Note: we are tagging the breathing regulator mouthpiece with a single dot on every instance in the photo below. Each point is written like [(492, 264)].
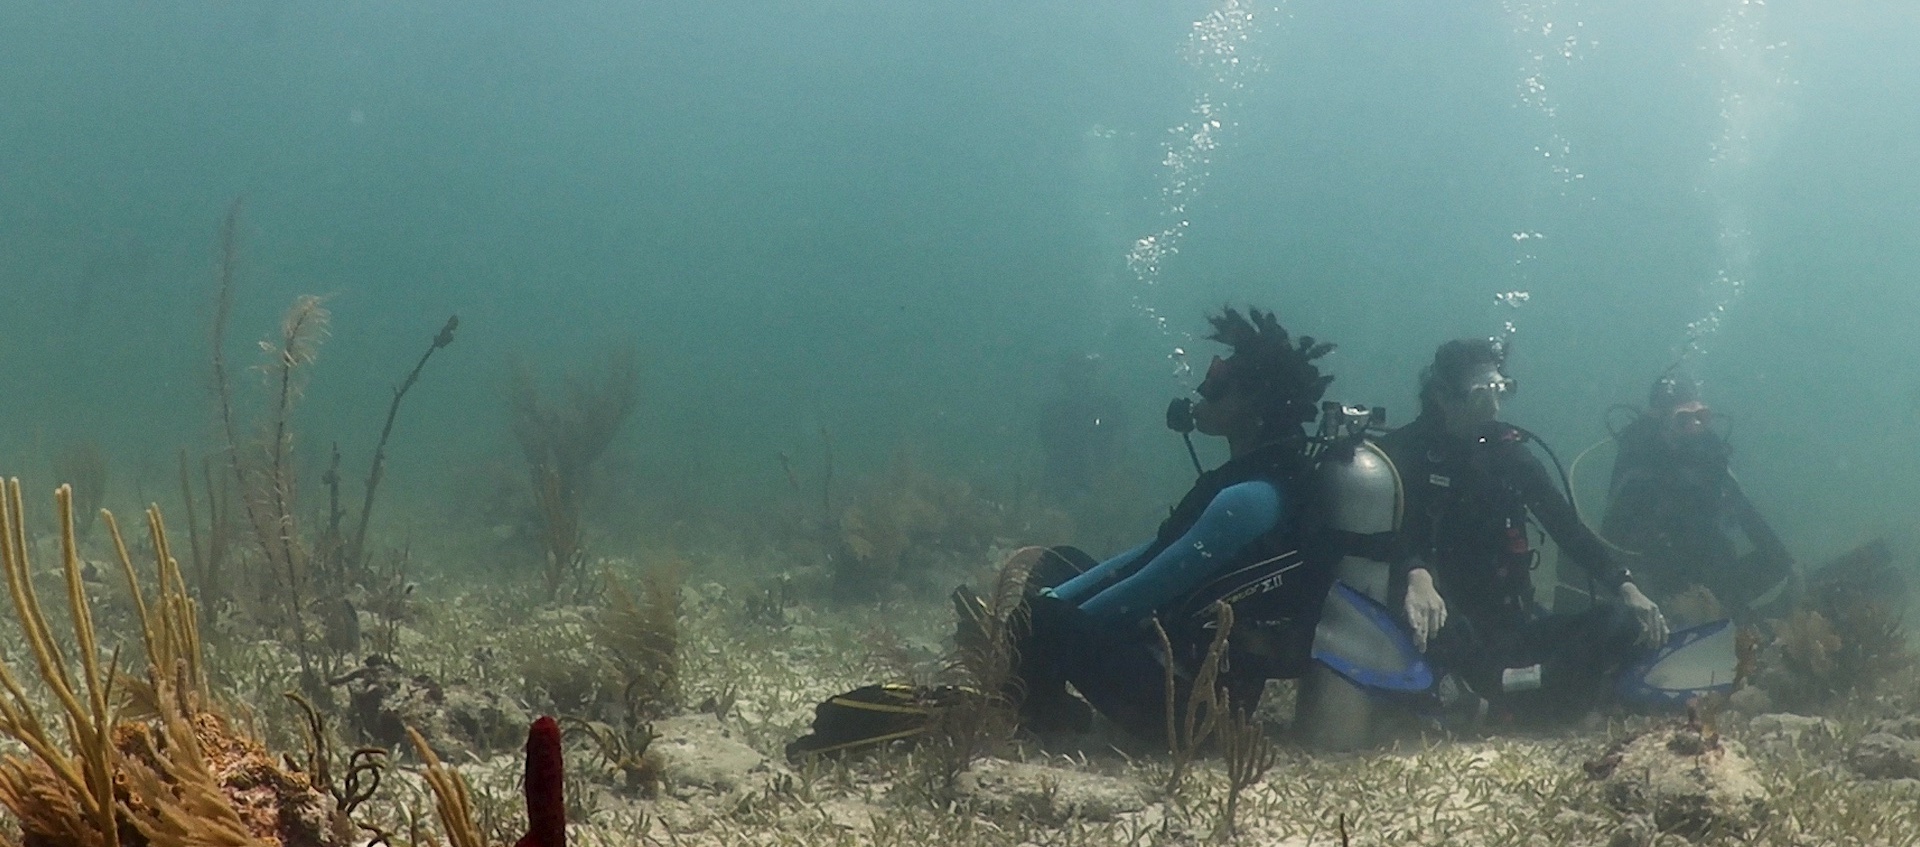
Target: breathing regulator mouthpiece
[(1180, 415)]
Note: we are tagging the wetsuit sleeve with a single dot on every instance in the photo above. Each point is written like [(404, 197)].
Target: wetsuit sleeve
[(1550, 507), (1076, 589), (1412, 539), (1237, 516), (1765, 541), (1409, 549), (1631, 509)]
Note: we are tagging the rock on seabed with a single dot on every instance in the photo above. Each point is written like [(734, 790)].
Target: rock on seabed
[(1890, 751), (1689, 783)]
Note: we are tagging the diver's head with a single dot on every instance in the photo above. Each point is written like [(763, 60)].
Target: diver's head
[(1466, 383), (1267, 388), (1674, 401), (1671, 390), (1687, 421)]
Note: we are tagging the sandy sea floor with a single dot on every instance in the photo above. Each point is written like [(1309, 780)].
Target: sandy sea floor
[(751, 673), (751, 659)]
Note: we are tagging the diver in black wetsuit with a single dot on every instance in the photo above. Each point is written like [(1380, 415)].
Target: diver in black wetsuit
[(1249, 522), (1674, 503), (1465, 556)]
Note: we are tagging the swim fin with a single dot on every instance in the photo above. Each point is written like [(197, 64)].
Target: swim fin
[(875, 715), (1695, 661), (1361, 640)]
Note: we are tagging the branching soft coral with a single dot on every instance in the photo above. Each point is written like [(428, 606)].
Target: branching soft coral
[(142, 762)]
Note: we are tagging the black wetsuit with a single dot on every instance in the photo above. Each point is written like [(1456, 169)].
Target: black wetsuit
[(1468, 504), (1676, 505)]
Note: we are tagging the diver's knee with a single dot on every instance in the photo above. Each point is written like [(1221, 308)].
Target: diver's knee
[(1617, 627)]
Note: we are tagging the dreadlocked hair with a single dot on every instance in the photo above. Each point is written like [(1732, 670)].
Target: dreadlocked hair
[(1276, 368)]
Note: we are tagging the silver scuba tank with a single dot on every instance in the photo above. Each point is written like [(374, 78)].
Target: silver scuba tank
[(1363, 496)]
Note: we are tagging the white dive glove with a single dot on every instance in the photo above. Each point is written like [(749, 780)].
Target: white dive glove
[(1653, 625), (1426, 612)]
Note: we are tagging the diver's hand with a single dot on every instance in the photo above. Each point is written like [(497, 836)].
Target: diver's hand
[(1653, 625), (1426, 612)]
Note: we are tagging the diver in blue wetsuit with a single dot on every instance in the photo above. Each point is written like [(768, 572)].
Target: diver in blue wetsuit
[(1249, 525), (1266, 533)]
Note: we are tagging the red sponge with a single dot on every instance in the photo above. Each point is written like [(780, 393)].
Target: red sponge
[(545, 777)]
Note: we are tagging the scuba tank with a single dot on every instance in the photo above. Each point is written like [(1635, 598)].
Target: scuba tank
[(1361, 497)]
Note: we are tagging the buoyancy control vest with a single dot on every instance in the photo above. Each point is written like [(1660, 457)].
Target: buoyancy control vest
[(1467, 519)]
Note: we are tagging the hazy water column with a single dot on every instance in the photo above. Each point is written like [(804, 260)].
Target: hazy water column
[(1546, 44), (1221, 47), (1751, 76)]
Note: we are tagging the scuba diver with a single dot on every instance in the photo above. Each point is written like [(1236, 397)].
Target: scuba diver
[(1258, 533), (1465, 557), (1674, 503), (1094, 629)]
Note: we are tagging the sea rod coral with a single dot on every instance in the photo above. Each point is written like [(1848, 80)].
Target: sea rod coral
[(134, 762)]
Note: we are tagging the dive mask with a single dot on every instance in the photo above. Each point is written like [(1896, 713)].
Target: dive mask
[(1689, 421), (1214, 387), (1686, 418), (1479, 399), (1494, 384)]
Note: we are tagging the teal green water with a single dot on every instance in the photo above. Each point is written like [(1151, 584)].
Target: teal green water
[(895, 220)]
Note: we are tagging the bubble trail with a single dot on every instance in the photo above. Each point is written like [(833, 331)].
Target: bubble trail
[(1547, 45), (1221, 47), (1752, 76)]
